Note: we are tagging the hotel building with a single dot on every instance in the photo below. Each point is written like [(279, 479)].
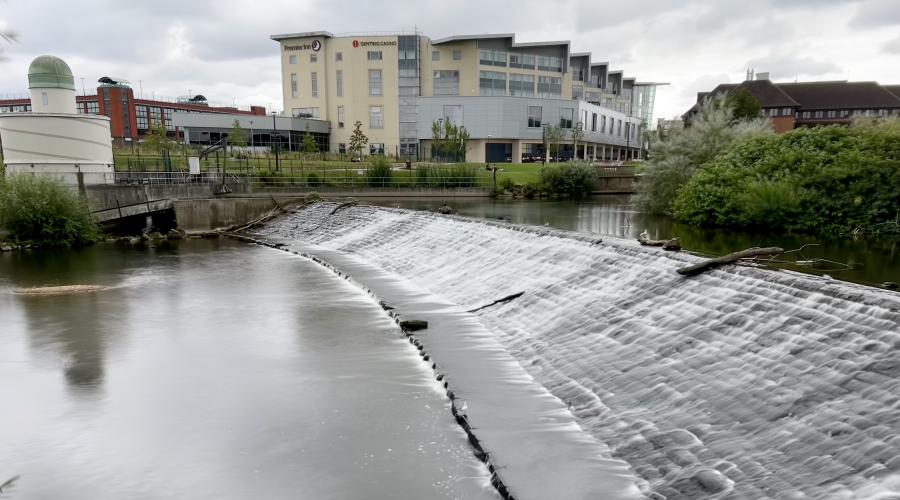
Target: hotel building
[(504, 92)]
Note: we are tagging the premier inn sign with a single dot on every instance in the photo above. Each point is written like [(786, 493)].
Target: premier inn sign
[(314, 46)]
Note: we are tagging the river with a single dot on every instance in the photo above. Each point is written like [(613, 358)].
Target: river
[(866, 261), (215, 369)]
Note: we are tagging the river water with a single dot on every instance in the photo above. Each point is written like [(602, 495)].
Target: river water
[(866, 261), (214, 369)]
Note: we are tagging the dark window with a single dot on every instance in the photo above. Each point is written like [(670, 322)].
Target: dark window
[(534, 116)]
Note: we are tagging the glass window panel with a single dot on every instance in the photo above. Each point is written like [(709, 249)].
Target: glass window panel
[(376, 117)]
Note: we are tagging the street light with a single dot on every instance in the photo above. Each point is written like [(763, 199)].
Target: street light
[(251, 135), (274, 144)]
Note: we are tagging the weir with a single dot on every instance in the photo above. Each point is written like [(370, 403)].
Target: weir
[(739, 383)]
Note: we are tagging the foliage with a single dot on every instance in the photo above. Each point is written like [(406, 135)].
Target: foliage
[(312, 180), (577, 136), (506, 184), (825, 179), (379, 172), (358, 140), (309, 144), (237, 138), (448, 141), (743, 105), (553, 135), (158, 140), (676, 158), (574, 179), (44, 213)]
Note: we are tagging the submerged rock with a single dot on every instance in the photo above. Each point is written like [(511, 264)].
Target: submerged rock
[(413, 324)]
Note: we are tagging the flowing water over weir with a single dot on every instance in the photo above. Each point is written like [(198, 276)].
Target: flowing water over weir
[(739, 383)]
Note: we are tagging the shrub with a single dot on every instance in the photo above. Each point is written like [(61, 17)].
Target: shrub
[(825, 179), (312, 180), (573, 179), (453, 176), (379, 172), (676, 158), (506, 184), (44, 213)]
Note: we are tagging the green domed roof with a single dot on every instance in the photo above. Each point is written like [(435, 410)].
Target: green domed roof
[(50, 72)]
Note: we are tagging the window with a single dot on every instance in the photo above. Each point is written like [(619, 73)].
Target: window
[(338, 56), (373, 55), (376, 117), (375, 82), (565, 117), (314, 84), (292, 59), (549, 63), (93, 108), (376, 148), (492, 83), (603, 124), (619, 128), (831, 113), (340, 117), (805, 114), (577, 92), (818, 114), (525, 61), (435, 55), (339, 83), (342, 147), (141, 113), (457, 55), (155, 117), (594, 123), (44, 99), (445, 82), (492, 57), (167, 119), (549, 87), (294, 85), (313, 57), (305, 112), (521, 85), (786, 112), (534, 116)]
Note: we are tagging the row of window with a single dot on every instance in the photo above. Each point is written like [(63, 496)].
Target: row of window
[(376, 87), (494, 83), (846, 113), (436, 55), (375, 148), (523, 61), (566, 117)]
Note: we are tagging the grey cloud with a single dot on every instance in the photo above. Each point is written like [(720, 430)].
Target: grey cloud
[(876, 13), (893, 46)]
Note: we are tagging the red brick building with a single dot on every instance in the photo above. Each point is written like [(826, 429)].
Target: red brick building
[(131, 118), (810, 104)]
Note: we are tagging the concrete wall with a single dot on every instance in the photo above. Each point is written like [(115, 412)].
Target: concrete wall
[(219, 213)]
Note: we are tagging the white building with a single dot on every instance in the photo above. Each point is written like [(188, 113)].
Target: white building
[(54, 139)]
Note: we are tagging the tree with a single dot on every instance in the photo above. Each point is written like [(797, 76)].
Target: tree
[(236, 137), (309, 144), (358, 140), (448, 141), (743, 105), (553, 135), (158, 139), (577, 136)]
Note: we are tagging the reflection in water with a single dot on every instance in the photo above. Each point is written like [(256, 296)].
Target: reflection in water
[(215, 370), (873, 261)]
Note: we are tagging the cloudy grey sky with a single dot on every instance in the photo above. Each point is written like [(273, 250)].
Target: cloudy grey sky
[(222, 49)]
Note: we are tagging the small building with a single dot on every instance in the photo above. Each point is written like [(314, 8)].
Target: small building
[(53, 139), (259, 131), (809, 104)]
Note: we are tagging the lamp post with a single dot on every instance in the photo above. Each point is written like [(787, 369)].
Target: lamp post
[(275, 144), (251, 136)]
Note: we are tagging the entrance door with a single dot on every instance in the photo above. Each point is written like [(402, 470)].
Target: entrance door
[(498, 152)]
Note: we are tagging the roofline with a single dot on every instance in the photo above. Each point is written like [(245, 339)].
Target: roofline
[(647, 84), (579, 54), (604, 63), (305, 34), (510, 36)]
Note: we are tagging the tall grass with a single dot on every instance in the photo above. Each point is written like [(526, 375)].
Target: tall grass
[(43, 213)]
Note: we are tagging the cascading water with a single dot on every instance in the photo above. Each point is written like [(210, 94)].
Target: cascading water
[(739, 383)]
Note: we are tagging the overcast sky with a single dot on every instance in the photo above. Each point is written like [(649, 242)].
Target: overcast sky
[(222, 48)]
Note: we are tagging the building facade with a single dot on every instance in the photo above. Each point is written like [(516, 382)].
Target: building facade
[(810, 104), (504, 92), (130, 117)]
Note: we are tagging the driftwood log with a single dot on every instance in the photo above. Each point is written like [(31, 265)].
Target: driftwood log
[(728, 259), (498, 301), (671, 244), (344, 205)]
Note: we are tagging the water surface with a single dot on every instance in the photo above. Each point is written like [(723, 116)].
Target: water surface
[(215, 370)]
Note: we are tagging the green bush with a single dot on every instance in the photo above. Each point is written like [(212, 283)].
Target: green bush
[(379, 172), (506, 184), (312, 180), (825, 179), (44, 213), (676, 157), (573, 179)]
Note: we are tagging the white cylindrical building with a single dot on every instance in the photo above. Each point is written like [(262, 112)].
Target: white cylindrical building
[(54, 139), (52, 86)]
